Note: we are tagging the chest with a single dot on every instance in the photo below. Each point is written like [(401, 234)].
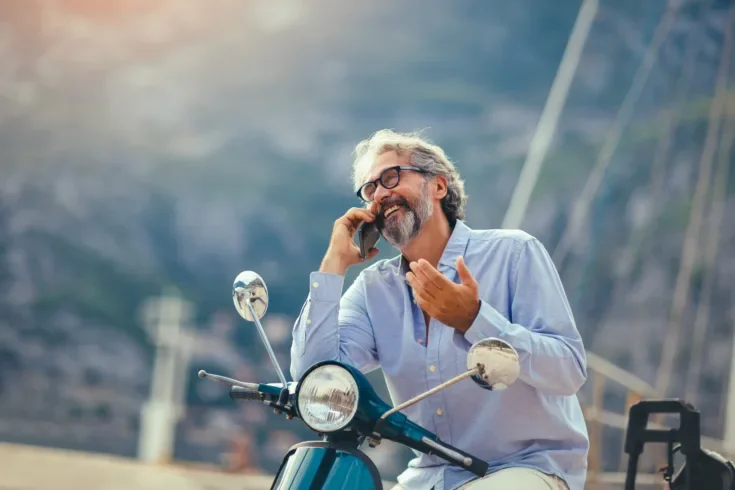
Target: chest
[(408, 340)]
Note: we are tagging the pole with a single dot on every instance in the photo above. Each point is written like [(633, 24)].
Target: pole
[(160, 414), (550, 116), (729, 436)]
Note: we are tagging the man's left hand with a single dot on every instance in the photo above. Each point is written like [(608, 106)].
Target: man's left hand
[(455, 305)]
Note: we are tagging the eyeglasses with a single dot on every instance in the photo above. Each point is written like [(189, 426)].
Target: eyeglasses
[(389, 178)]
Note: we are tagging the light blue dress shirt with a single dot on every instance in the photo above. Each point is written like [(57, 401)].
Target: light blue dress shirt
[(537, 422)]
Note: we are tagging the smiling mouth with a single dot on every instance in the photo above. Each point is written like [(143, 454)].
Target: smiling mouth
[(391, 210)]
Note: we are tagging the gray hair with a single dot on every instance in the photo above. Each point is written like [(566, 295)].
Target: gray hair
[(423, 154)]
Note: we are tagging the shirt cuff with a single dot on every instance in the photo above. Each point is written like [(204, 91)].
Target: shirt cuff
[(488, 323), (324, 286)]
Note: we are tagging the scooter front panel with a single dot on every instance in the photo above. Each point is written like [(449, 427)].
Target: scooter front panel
[(326, 466)]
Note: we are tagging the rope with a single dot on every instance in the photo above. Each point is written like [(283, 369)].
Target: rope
[(671, 118), (691, 238), (713, 241), (582, 204)]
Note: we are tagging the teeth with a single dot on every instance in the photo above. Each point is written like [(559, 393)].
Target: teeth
[(390, 210)]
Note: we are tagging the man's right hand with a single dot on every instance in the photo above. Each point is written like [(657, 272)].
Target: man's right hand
[(342, 251)]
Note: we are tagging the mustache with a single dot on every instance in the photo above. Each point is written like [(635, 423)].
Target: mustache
[(380, 217), (399, 201)]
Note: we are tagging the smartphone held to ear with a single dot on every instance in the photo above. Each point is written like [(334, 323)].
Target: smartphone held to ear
[(368, 235)]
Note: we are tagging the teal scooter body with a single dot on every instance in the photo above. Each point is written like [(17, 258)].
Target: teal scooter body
[(327, 466)]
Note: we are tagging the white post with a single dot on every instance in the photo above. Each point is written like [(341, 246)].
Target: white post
[(550, 116), (165, 317), (729, 436)]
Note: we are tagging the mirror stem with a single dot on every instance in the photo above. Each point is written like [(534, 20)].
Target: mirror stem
[(267, 344), (418, 398)]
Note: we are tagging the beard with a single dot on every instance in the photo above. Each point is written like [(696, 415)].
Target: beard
[(405, 224)]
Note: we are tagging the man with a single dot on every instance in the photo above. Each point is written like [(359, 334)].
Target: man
[(416, 315)]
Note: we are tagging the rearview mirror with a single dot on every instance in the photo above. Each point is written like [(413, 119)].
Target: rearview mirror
[(496, 362), (251, 301), (250, 295)]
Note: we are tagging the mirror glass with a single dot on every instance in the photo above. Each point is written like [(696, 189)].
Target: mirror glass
[(498, 363), (249, 287)]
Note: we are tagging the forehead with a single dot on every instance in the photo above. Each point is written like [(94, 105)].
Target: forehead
[(386, 160)]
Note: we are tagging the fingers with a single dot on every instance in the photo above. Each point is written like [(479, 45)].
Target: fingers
[(425, 303), (464, 273), (429, 275), (354, 216), (420, 287)]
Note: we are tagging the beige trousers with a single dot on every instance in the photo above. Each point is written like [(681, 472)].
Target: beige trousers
[(517, 479), (513, 479)]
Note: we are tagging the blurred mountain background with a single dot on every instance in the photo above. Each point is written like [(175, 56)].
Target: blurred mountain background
[(148, 145)]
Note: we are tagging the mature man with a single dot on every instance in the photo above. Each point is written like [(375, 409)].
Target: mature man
[(416, 315)]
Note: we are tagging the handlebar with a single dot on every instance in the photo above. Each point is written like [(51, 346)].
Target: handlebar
[(399, 429), (267, 394), (242, 393), (280, 397), (454, 455), (395, 427)]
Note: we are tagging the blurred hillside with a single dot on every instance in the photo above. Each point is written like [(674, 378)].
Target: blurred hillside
[(168, 143)]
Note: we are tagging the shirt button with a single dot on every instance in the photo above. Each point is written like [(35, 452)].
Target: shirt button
[(439, 411), (421, 341), (308, 321), (432, 368), (316, 284), (415, 302)]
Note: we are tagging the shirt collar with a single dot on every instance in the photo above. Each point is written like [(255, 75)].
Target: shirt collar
[(456, 246)]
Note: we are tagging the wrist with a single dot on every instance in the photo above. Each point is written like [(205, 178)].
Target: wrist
[(333, 265), (471, 317)]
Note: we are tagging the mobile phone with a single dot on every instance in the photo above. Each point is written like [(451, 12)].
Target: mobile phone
[(368, 235)]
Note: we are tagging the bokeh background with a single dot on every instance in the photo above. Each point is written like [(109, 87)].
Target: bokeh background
[(160, 147)]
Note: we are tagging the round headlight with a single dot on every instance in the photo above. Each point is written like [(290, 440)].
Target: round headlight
[(327, 398)]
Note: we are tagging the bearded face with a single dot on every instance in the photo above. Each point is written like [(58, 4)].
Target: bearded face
[(400, 218)]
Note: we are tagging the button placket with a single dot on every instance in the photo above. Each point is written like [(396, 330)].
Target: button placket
[(418, 318), (440, 416), (433, 372)]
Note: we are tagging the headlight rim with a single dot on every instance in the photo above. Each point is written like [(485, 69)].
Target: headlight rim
[(297, 394)]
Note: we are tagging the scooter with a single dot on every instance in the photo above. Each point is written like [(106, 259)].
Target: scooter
[(336, 401)]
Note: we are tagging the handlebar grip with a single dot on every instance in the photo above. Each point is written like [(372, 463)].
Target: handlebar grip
[(240, 393), (476, 465)]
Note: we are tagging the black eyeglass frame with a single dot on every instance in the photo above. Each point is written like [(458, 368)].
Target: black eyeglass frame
[(375, 182)]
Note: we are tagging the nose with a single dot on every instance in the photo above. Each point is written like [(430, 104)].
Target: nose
[(381, 193)]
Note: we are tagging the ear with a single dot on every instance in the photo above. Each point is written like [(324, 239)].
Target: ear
[(440, 186)]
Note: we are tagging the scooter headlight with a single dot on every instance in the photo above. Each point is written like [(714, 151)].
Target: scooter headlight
[(327, 398)]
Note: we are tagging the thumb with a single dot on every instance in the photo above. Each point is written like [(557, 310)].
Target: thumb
[(464, 273)]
